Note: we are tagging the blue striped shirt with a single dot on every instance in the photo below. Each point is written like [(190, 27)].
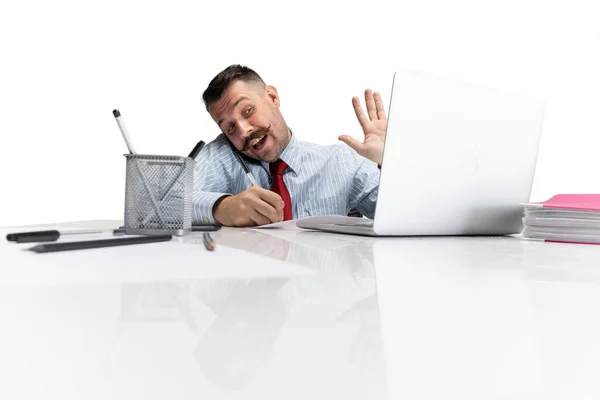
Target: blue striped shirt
[(322, 180)]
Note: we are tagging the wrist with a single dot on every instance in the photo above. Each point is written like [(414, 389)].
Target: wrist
[(218, 210)]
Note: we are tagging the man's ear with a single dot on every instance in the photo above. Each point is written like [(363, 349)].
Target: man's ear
[(272, 94)]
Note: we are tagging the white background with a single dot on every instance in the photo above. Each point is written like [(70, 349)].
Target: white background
[(66, 64)]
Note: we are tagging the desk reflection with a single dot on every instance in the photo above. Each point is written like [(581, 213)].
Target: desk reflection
[(240, 341), (460, 318), (315, 335)]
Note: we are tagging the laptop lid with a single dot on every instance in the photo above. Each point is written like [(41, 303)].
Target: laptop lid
[(459, 158)]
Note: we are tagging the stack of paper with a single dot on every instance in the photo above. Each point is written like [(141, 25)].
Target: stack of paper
[(571, 218)]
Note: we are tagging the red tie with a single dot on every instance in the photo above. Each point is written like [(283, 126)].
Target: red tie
[(277, 169)]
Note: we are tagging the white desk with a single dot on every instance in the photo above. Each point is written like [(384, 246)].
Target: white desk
[(302, 316)]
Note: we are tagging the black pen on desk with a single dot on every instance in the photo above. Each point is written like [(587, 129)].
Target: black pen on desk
[(94, 244), (208, 242), (53, 234)]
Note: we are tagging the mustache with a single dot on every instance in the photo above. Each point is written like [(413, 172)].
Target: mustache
[(255, 135)]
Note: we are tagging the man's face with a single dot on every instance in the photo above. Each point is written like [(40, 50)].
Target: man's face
[(248, 113)]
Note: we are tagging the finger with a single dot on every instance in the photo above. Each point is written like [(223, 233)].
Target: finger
[(362, 118), (271, 198), (355, 144), (258, 218), (244, 222), (379, 106), (266, 210), (280, 215), (370, 102)]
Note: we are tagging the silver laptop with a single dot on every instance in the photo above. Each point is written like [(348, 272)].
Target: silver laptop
[(459, 158)]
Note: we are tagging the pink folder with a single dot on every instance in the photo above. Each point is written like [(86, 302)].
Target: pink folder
[(590, 202), (579, 202)]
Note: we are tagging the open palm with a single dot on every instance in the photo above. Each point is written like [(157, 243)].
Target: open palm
[(374, 126)]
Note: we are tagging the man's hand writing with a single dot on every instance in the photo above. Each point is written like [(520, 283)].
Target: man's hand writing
[(252, 207)]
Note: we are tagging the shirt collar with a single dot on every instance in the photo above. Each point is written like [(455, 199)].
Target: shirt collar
[(290, 155)]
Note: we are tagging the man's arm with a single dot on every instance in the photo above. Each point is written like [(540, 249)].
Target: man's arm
[(364, 186), (211, 182)]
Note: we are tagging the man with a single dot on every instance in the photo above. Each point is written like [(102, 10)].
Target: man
[(305, 179)]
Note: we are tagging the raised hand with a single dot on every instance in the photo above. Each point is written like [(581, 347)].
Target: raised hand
[(374, 127)]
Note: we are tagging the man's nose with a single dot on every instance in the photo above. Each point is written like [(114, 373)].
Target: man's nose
[(245, 128)]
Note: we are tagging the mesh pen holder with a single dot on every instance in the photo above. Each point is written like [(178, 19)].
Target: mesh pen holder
[(158, 194)]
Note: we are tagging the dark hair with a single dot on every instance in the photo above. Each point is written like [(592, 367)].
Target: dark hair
[(221, 82)]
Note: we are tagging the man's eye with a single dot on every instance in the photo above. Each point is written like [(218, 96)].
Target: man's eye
[(247, 111), (230, 129)]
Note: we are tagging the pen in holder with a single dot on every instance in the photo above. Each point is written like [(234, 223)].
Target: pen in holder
[(158, 194)]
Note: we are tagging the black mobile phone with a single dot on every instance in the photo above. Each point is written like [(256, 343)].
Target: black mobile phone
[(206, 227)]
